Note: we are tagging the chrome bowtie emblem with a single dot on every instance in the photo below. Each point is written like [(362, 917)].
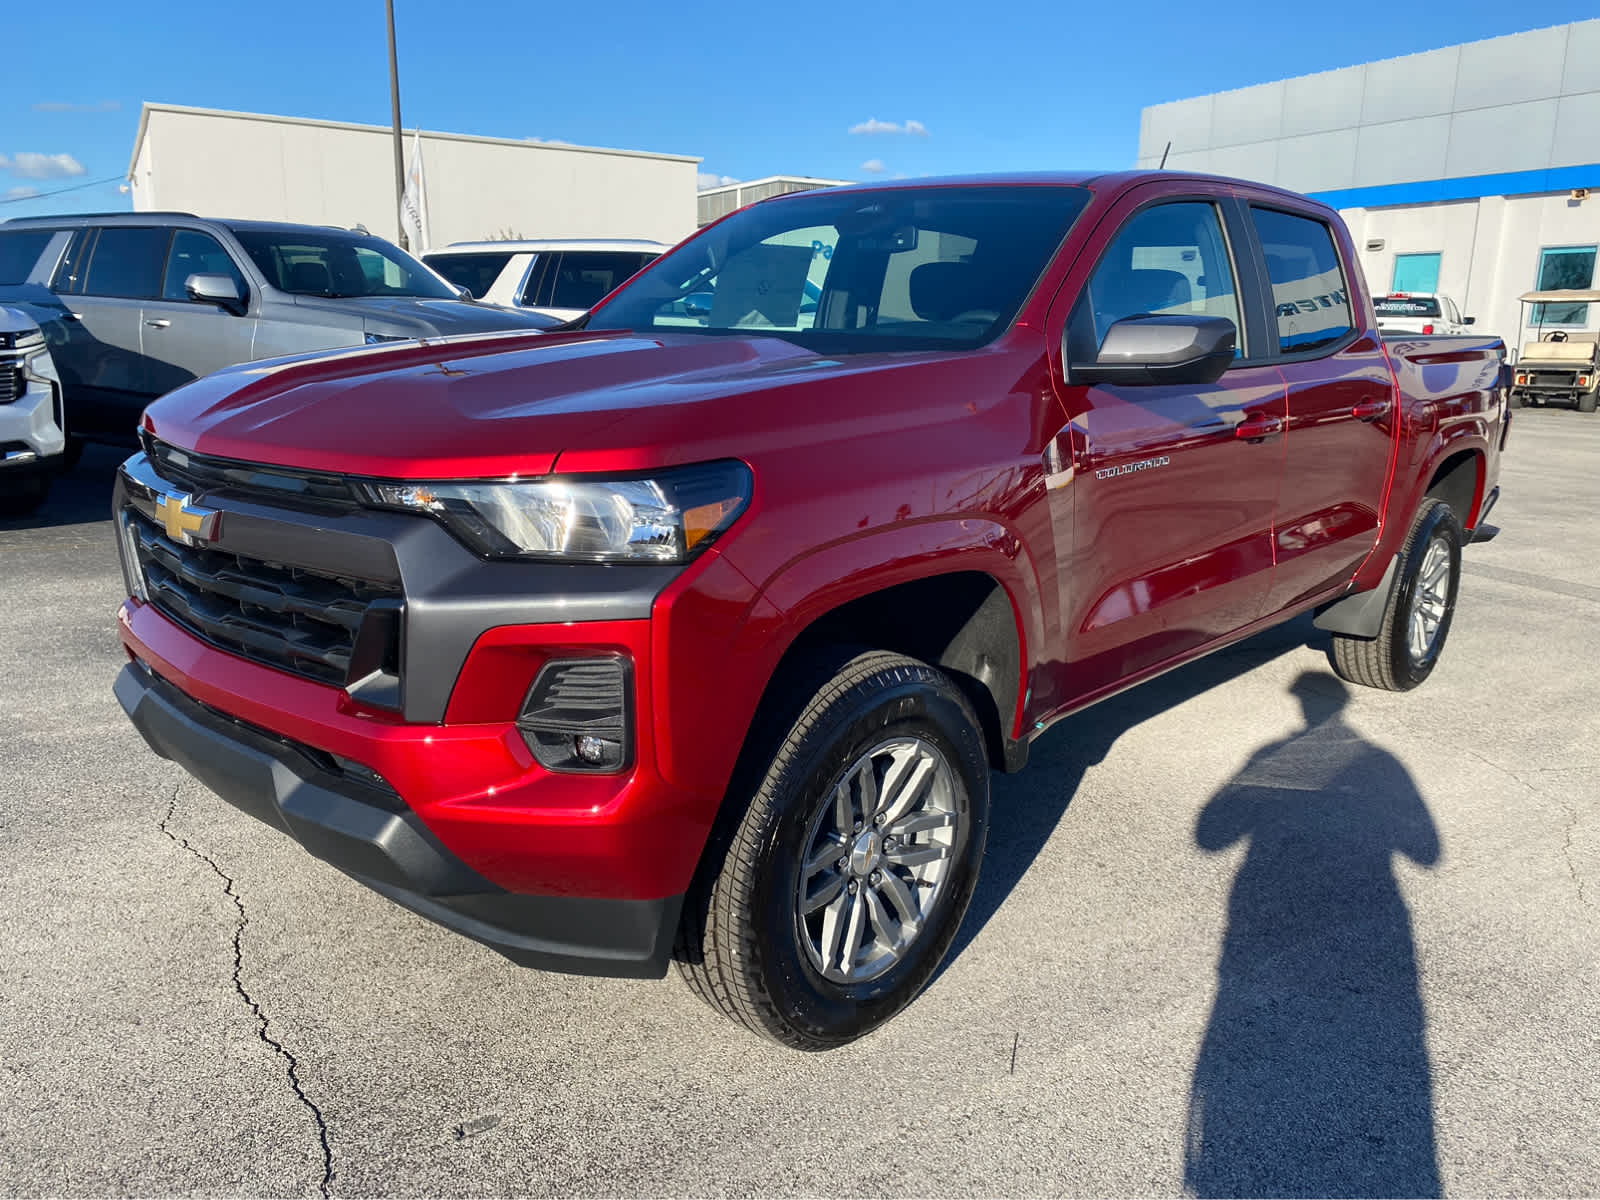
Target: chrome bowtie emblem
[(186, 522)]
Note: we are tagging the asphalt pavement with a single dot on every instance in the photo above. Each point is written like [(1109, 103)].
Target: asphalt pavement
[(1241, 931)]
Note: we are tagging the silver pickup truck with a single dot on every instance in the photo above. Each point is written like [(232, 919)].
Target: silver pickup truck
[(32, 433)]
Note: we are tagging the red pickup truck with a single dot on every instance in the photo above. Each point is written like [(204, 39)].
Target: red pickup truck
[(694, 630)]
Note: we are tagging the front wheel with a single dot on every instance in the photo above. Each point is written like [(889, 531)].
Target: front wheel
[(831, 903), (1416, 619)]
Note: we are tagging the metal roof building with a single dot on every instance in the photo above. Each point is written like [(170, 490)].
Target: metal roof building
[(718, 202), (1473, 170), (251, 165)]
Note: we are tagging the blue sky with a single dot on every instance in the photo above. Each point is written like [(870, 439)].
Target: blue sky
[(754, 88)]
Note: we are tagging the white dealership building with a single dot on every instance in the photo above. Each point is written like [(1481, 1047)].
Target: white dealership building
[(1473, 170), (255, 166)]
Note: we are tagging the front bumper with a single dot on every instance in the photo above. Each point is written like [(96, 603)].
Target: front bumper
[(370, 834), (31, 437)]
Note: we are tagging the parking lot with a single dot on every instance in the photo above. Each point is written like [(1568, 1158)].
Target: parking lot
[(1241, 931)]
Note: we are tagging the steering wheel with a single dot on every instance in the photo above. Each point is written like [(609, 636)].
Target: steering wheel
[(1556, 335), (982, 316)]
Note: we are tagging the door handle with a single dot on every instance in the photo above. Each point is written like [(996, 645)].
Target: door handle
[(162, 324), (1258, 427), (1371, 410)]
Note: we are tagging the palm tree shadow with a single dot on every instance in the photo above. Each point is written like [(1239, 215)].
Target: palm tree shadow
[(1313, 1076)]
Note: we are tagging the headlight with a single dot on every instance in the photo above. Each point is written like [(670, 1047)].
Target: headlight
[(668, 517), (374, 339)]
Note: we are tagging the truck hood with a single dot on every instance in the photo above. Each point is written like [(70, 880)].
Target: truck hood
[(410, 316), (506, 404)]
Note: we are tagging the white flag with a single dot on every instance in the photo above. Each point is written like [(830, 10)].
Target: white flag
[(414, 201)]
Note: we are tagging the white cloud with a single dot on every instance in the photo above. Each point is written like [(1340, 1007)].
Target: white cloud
[(874, 166), (872, 126), (706, 179), (22, 193), (31, 165), (58, 106)]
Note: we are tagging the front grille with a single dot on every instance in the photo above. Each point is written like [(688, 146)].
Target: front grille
[(305, 622), (12, 382), (199, 473)]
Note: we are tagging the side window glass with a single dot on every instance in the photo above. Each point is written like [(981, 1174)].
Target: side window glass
[(584, 278), (128, 261), (536, 291), (1309, 296), (74, 263), (195, 253), (1170, 259)]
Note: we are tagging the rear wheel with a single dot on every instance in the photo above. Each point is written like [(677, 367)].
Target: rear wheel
[(829, 905), (1416, 619), (1587, 403)]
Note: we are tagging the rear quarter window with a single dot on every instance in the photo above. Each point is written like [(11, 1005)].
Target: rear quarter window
[(1310, 297), (19, 251)]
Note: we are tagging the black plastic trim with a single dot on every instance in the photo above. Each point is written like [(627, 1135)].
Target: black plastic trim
[(452, 597), (1359, 614), (370, 835)]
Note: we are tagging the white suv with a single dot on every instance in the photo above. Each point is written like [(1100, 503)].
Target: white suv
[(32, 437), (562, 279)]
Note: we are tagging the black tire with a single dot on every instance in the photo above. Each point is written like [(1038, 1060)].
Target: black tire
[(1587, 404), (742, 945), (25, 497), (72, 455), (1388, 661), (1516, 400)]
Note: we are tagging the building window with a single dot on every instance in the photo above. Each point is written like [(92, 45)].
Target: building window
[(1416, 273), (1564, 267)]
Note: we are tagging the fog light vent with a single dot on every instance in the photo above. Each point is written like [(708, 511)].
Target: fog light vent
[(577, 715)]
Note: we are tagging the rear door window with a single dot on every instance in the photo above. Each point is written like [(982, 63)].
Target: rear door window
[(475, 272), (128, 261), (1310, 299), (585, 277)]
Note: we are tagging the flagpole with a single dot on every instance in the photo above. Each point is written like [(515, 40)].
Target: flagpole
[(394, 104)]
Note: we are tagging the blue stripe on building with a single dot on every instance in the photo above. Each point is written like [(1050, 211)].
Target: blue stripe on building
[(1469, 187)]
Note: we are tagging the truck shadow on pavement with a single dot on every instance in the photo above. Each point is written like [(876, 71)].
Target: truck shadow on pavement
[(1313, 1076)]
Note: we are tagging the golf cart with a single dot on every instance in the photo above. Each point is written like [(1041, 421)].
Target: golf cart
[(1558, 366)]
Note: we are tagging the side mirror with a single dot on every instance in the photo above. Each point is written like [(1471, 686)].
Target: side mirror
[(215, 289), (1469, 320), (698, 304), (1161, 349)]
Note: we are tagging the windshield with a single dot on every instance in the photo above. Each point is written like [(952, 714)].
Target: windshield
[(329, 263), (857, 272), (1406, 306)]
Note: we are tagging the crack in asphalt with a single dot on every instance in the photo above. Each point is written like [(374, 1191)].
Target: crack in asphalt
[(1572, 823), (1572, 867), (291, 1064)]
